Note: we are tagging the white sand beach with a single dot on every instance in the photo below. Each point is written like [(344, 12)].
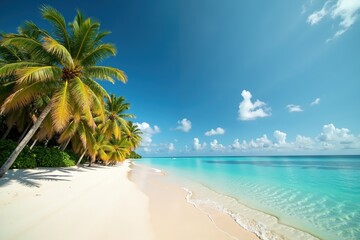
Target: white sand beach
[(101, 203), (73, 203)]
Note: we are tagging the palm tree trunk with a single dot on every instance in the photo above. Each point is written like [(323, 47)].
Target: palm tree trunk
[(25, 131), (33, 144), (66, 144), (6, 133), (81, 157), (24, 141)]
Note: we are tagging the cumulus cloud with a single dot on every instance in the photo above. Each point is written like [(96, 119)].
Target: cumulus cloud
[(184, 125), (315, 102), (236, 144), (171, 147), (280, 137), (215, 146), (331, 139), (258, 143), (197, 145), (294, 108), (249, 110), (148, 132), (332, 134), (217, 131), (346, 10), (303, 142)]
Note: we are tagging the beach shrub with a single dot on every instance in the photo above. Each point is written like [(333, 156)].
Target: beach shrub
[(133, 155), (52, 157), (26, 158)]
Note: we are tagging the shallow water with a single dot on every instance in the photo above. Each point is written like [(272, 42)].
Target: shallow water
[(276, 197)]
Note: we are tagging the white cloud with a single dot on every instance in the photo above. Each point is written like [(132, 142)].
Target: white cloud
[(294, 108), (303, 142), (332, 134), (217, 131), (251, 111), (215, 146), (258, 143), (346, 10), (316, 16), (184, 125), (315, 102), (332, 140), (171, 147), (280, 137), (147, 131), (197, 145), (236, 144)]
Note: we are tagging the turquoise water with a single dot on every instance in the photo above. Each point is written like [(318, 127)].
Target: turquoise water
[(276, 197)]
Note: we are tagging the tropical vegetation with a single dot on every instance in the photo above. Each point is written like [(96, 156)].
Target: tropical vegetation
[(49, 91)]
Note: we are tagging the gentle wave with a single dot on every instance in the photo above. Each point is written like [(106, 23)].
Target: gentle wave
[(265, 226)]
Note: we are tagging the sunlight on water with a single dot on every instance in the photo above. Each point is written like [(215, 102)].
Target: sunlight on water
[(317, 195)]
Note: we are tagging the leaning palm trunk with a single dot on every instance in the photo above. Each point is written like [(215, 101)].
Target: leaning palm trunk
[(26, 130), (33, 144), (66, 144), (81, 157), (6, 133), (24, 141)]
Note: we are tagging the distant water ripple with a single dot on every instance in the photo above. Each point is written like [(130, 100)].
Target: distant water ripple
[(318, 195)]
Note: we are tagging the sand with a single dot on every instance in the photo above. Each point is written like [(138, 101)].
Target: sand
[(73, 203), (102, 203), (172, 217)]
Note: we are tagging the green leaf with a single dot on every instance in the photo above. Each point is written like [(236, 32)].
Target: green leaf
[(102, 72), (57, 49)]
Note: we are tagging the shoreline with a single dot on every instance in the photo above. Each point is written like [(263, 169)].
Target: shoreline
[(169, 202), (258, 223)]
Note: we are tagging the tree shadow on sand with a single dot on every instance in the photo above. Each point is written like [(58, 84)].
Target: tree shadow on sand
[(33, 178)]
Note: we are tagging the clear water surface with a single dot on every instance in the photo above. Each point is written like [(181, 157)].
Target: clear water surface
[(311, 197)]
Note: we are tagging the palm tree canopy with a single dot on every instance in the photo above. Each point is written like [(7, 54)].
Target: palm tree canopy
[(62, 64), (116, 117), (133, 136)]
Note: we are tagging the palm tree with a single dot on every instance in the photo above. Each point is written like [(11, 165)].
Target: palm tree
[(115, 112), (133, 135), (64, 64), (119, 149)]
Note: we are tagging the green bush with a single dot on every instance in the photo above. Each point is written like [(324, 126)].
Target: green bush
[(52, 157), (26, 158), (133, 155)]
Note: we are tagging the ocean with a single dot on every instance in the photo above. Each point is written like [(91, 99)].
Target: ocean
[(296, 197)]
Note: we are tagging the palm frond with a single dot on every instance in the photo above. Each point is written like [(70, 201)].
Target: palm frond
[(68, 132), (9, 54), (22, 97), (80, 93), (96, 88), (62, 107), (38, 74), (58, 21), (5, 90), (100, 36), (31, 30), (98, 109), (99, 53), (107, 73), (46, 130), (10, 68), (85, 37), (32, 46), (57, 49)]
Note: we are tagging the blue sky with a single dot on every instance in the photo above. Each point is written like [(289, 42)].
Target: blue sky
[(193, 65)]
